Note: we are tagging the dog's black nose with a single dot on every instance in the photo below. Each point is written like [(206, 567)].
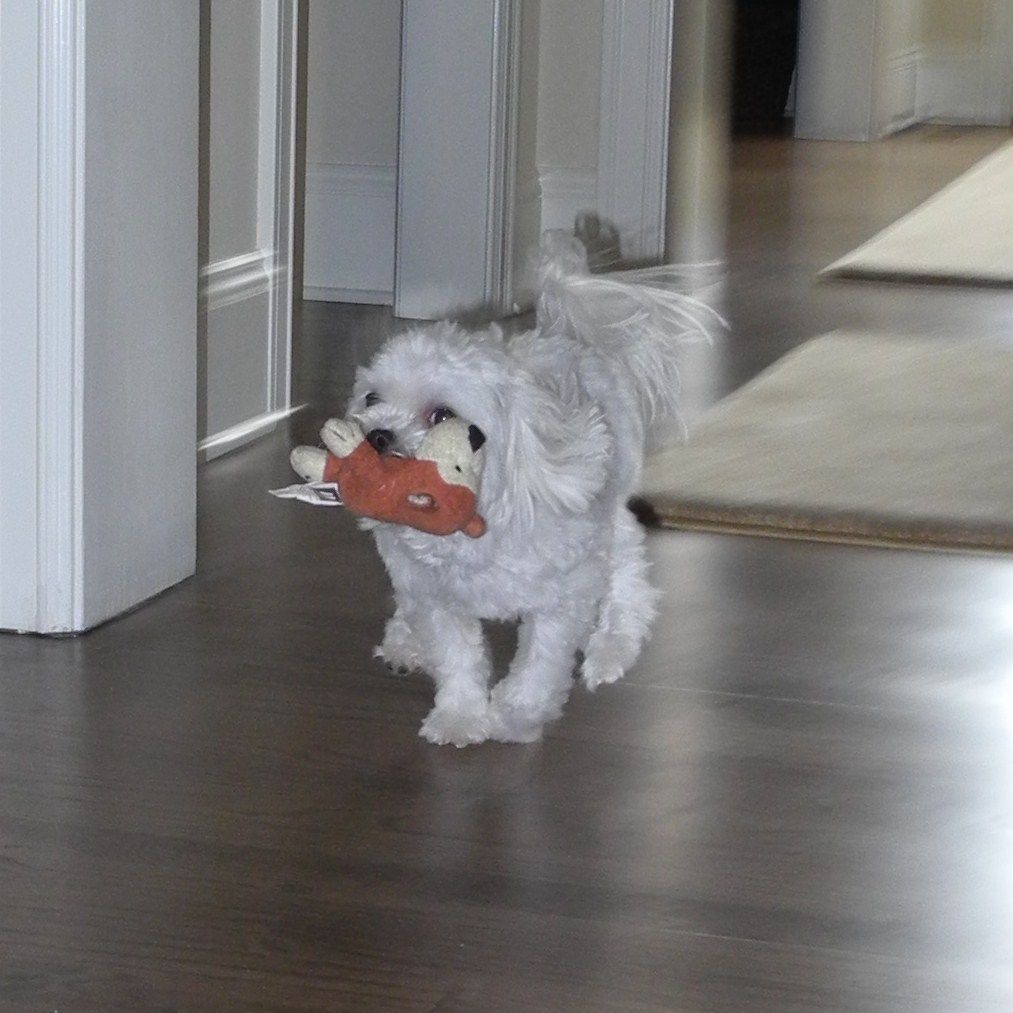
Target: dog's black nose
[(381, 440)]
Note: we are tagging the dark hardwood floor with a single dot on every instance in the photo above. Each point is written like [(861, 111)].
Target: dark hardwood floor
[(801, 798)]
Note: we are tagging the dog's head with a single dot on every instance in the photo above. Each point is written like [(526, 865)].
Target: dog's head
[(544, 450)]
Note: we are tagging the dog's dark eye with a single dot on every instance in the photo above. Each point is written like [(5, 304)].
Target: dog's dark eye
[(441, 414), (372, 398)]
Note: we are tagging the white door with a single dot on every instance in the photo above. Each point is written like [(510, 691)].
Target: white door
[(99, 266), (98, 278), (456, 159)]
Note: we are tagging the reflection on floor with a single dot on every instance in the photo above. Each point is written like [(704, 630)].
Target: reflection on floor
[(801, 799)]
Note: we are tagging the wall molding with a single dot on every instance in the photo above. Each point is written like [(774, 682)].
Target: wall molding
[(225, 282), (633, 122), (356, 198)]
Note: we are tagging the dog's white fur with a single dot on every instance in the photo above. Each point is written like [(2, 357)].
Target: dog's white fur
[(564, 409)]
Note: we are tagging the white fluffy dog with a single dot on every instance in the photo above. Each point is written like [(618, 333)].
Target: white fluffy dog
[(564, 409)]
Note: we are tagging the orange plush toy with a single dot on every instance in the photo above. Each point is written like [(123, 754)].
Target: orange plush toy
[(436, 491)]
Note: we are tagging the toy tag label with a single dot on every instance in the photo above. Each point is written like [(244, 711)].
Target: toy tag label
[(323, 494)]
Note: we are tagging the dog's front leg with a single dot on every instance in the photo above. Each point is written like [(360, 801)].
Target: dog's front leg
[(540, 677), (401, 649), (458, 660)]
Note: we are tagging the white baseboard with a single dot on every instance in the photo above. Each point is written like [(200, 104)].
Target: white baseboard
[(246, 432), (349, 230), (566, 191)]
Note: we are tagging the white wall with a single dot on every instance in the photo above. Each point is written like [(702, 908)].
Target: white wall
[(965, 70), (234, 125), (870, 67), (834, 94), (895, 85), (353, 78), (98, 175)]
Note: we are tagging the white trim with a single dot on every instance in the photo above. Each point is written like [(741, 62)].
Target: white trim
[(60, 321), (633, 122), (503, 119), (244, 276), (279, 81), (246, 432)]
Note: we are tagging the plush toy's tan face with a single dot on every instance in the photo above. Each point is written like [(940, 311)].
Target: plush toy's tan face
[(455, 446)]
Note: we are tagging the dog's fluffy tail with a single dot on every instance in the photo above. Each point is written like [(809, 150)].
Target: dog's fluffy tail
[(638, 318)]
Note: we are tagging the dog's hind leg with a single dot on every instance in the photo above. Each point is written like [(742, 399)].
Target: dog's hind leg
[(626, 611)]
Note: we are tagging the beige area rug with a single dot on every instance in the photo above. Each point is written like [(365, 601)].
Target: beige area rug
[(854, 438), (962, 235)]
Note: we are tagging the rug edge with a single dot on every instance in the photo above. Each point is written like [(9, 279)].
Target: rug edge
[(839, 530)]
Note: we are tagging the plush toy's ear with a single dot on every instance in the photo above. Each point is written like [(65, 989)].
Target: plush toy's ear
[(556, 453), (475, 437)]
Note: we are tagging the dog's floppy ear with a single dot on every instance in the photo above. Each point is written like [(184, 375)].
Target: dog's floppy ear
[(556, 452)]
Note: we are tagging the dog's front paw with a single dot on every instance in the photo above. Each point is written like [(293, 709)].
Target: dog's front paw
[(308, 463), (399, 658), (606, 660), (456, 726), (341, 437), (510, 720)]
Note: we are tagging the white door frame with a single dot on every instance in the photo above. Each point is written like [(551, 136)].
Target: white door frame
[(636, 74), (268, 269)]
